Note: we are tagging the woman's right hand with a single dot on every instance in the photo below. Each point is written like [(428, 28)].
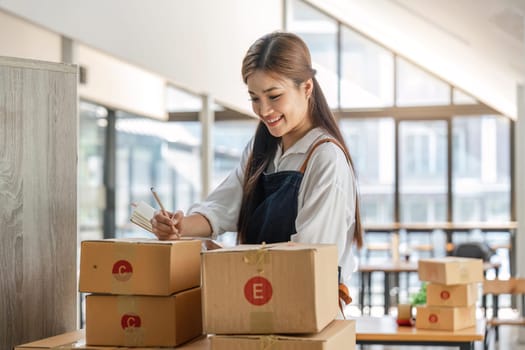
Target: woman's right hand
[(167, 225)]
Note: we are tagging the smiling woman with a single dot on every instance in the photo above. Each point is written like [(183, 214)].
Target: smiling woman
[(295, 181)]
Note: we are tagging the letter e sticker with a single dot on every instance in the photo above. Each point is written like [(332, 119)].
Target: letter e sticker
[(258, 290)]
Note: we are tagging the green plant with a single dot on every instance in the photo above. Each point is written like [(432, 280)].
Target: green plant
[(420, 298)]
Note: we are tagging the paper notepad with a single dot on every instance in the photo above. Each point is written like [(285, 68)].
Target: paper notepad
[(142, 214)]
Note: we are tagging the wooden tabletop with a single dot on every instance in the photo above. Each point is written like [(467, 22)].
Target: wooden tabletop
[(447, 226), (410, 266), (386, 329)]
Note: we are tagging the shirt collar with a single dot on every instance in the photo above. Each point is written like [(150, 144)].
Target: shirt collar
[(304, 143)]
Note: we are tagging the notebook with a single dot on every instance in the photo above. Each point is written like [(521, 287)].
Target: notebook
[(142, 214)]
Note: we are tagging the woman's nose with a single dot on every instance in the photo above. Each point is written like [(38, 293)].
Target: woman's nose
[(265, 108)]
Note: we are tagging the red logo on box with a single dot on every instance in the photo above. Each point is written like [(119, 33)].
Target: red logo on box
[(258, 290), (122, 270), (130, 321), (433, 318), (445, 295)]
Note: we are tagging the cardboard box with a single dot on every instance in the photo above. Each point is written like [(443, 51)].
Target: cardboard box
[(143, 320), (450, 270), (66, 340), (445, 318), (140, 267), (337, 335), (452, 295), (75, 341), (278, 288)]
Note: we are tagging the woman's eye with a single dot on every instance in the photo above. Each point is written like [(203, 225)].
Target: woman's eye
[(254, 99), (275, 97)]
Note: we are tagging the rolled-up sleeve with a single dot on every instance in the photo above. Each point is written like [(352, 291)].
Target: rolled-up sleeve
[(221, 207)]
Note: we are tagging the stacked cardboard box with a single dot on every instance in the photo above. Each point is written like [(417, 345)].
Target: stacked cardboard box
[(145, 292), (452, 292), (258, 295)]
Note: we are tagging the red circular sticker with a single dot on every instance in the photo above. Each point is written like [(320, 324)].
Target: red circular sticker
[(445, 295), (258, 290), (433, 318), (130, 321), (122, 270)]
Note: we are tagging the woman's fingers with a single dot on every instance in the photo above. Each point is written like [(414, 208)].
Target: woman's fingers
[(165, 225)]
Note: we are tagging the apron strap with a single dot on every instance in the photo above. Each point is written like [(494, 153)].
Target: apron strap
[(318, 143)]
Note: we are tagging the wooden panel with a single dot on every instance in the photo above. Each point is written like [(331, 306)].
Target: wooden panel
[(38, 228)]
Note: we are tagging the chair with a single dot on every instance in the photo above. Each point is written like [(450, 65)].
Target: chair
[(478, 250), (495, 288)]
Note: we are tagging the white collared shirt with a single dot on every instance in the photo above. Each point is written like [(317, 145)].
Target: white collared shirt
[(326, 199)]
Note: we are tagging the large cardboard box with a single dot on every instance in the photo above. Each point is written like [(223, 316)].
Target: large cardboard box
[(141, 267), (336, 336), (450, 270), (76, 341), (278, 288), (143, 320), (445, 318), (452, 295)]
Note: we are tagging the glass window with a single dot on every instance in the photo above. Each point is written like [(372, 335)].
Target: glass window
[(423, 171), (91, 200), (416, 87), (461, 98), (320, 34), (481, 178), (367, 72), (230, 138), (165, 155), (371, 145)]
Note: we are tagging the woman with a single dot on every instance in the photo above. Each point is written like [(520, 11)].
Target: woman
[(295, 180)]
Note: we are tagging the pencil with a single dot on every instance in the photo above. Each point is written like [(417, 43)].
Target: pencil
[(158, 200)]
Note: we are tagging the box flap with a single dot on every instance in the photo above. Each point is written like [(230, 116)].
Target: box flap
[(285, 246)]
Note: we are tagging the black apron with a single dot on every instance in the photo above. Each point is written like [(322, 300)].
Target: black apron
[(273, 219)]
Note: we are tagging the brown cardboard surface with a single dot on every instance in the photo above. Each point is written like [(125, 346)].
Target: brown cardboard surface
[(65, 340), (445, 318), (450, 270), (452, 295), (143, 320), (75, 341), (278, 288), (337, 335), (141, 267)]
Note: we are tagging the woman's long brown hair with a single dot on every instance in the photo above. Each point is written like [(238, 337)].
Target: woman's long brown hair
[(285, 55)]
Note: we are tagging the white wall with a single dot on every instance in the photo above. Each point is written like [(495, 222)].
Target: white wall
[(198, 44), (30, 41)]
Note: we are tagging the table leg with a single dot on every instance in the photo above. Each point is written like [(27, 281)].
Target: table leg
[(466, 346), (387, 292)]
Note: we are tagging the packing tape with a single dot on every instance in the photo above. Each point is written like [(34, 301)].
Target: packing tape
[(127, 304), (267, 342), (123, 252), (261, 322), (258, 257), (404, 311)]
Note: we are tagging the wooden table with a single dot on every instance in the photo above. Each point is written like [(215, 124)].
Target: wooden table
[(385, 331), (393, 269)]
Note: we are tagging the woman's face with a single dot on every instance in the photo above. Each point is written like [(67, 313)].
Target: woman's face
[(281, 105)]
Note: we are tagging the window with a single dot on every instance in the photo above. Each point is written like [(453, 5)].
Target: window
[(481, 163), (416, 87), (367, 72), (320, 34), (423, 171), (371, 146)]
